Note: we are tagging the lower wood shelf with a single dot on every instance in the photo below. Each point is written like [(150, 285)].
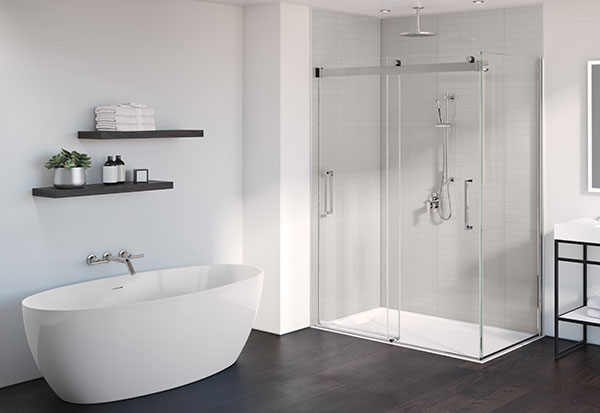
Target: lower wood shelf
[(101, 189)]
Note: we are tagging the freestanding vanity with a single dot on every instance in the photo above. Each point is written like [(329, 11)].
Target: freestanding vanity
[(584, 233)]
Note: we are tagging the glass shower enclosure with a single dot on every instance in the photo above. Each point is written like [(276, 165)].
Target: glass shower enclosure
[(427, 211)]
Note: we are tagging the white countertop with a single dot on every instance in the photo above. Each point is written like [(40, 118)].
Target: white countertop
[(582, 229)]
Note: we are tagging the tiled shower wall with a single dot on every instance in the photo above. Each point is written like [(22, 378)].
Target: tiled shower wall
[(439, 260)]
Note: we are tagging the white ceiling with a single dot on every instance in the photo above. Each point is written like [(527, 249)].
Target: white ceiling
[(397, 7)]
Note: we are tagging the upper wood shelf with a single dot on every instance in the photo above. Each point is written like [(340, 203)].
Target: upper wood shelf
[(152, 134)]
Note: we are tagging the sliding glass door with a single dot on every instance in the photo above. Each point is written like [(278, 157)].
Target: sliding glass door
[(435, 130), (350, 203)]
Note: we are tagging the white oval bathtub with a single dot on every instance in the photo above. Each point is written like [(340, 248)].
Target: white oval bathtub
[(127, 336)]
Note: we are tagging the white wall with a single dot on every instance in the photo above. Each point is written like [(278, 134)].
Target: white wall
[(570, 30), (295, 167), (59, 60), (262, 91), (276, 161)]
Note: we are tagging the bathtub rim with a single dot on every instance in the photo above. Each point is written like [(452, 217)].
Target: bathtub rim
[(25, 306)]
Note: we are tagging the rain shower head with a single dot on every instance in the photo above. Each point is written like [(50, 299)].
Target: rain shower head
[(418, 32)]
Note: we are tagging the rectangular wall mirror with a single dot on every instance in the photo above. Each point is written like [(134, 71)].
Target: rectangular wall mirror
[(594, 126)]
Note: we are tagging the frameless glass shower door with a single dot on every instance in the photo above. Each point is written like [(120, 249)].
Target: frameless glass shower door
[(435, 127)]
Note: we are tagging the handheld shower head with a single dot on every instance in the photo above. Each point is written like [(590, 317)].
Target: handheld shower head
[(439, 110)]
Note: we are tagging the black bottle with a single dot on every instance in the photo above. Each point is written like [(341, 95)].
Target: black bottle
[(120, 170), (109, 172)]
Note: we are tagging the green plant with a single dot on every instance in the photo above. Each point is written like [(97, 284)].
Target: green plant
[(69, 160)]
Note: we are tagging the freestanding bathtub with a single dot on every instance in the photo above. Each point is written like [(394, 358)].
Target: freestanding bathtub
[(127, 336)]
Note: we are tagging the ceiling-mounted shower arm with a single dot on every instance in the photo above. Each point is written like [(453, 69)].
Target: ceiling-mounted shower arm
[(418, 9)]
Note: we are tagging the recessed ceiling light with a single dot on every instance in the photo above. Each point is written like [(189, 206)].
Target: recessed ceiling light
[(385, 10), (478, 1)]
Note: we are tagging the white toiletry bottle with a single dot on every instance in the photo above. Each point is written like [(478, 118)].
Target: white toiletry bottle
[(110, 172), (120, 170)]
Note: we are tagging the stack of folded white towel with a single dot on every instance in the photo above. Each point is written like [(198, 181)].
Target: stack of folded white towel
[(125, 117), (593, 305)]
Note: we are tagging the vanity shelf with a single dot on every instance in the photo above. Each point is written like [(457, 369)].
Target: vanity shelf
[(579, 316), (101, 189), (152, 134)]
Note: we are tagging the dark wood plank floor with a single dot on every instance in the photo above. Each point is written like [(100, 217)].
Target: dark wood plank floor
[(316, 371)]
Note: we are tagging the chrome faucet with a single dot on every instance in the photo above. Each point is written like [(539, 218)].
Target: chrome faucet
[(124, 258)]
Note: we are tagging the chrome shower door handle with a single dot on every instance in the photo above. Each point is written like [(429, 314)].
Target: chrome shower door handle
[(468, 226), (328, 192)]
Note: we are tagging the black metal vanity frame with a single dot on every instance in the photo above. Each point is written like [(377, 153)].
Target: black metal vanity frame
[(561, 317)]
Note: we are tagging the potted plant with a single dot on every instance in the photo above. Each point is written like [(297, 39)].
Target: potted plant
[(69, 168)]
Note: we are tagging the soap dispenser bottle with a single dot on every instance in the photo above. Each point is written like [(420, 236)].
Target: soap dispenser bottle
[(109, 172), (120, 170)]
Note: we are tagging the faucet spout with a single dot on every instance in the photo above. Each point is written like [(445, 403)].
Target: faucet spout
[(130, 266), (123, 260)]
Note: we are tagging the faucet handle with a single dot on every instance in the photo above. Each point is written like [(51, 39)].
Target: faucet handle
[(93, 260), (125, 254)]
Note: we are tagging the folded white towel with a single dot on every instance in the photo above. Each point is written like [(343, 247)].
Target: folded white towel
[(125, 109), (136, 105), (124, 128), (103, 124), (592, 312), (129, 120), (126, 105), (594, 302)]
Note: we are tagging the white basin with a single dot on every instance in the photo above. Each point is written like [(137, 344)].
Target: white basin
[(582, 229)]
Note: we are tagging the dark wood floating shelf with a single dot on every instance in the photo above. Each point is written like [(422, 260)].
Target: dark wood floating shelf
[(151, 134), (101, 189)]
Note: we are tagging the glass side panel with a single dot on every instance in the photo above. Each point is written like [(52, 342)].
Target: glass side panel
[(510, 196)]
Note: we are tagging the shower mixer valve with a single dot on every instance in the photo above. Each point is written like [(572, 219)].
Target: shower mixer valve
[(434, 201)]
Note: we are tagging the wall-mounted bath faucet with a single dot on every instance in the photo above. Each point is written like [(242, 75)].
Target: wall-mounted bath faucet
[(124, 257)]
